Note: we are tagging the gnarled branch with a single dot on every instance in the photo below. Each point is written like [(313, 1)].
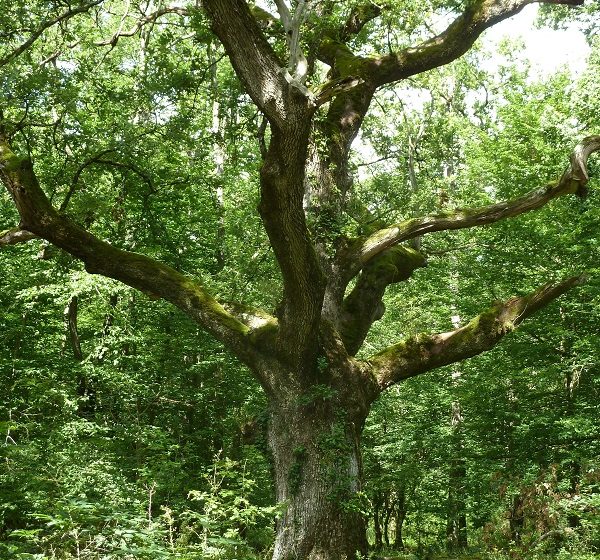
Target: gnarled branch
[(452, 43), (150, 18), (363, 305), (437, 51), (421, 353), (573, 181), (141, 272), (254, 60)]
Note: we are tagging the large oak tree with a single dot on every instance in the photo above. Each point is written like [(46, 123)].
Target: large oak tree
[(314, 99)]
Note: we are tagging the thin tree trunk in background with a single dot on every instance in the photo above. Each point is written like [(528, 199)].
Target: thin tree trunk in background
[(70, 315), (412, 141), (572, 377), (400, 514), (389, 509), (377, 506), (86, 392), (516, 520), (456, 526), (219, 161)]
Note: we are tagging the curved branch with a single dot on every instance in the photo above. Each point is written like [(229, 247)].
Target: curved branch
[(424, 352), (46, 25), (452, 43), (363, 305), (97, 159), (437, 51), (358, 18), (253, 317), (141, 272), (573, 181)]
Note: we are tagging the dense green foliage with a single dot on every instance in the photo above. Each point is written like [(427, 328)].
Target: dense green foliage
[(138, 436), (527, 436)]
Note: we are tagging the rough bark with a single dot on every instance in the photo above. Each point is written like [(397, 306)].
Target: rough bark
[(442, 49), (282, 189), (328, 184), (314, 435), (315, 447), (253, 59), (364, 304)]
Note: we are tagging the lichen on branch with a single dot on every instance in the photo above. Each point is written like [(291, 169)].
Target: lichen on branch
[(423, 352), (573, 181)]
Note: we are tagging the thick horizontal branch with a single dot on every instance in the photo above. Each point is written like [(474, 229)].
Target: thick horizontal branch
[(15, 236), (141, 272), (67, 14), (437, 51), (573, 181), (424, 352), (253, 317)]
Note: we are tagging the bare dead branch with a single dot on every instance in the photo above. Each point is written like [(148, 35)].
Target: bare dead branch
[(150, 18)]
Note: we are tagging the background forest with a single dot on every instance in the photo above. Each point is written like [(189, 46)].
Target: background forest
[(127, 432)]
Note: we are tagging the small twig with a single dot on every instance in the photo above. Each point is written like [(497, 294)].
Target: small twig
[(150, 18), (45, 25)]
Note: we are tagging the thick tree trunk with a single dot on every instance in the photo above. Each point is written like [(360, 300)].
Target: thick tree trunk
[(314, 440)]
